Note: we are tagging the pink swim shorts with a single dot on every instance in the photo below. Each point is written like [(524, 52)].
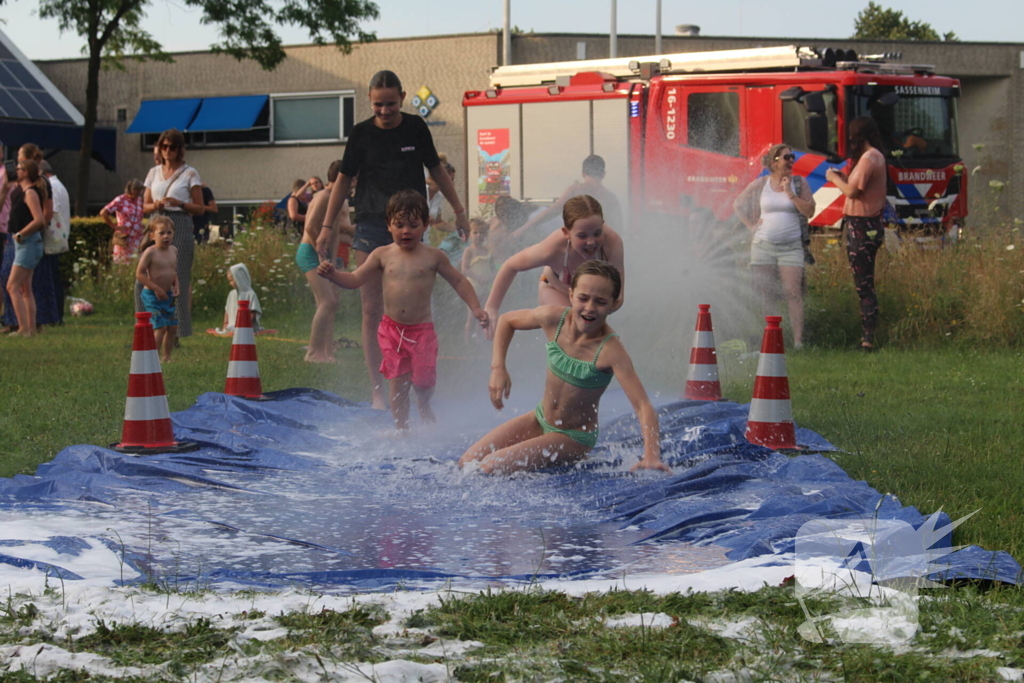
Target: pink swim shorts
[(408, 349)]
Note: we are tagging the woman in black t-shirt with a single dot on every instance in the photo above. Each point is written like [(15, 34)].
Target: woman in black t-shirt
[(387, 152)]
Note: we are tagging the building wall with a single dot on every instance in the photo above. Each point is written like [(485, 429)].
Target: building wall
[(447, 65), (991, 109)]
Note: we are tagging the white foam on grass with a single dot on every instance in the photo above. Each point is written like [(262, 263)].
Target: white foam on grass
[(642, 620)]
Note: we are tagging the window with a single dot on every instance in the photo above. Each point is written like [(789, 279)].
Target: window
[(795, 125), (291, 118), (713, 122), (312, 117)]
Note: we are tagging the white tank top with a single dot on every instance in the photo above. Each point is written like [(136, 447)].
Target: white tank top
[(780, 220)]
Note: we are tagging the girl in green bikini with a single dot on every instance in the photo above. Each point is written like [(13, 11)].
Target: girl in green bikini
[(583, 356)]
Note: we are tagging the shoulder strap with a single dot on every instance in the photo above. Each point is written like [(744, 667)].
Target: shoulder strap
[(603, 342), (558, 330)]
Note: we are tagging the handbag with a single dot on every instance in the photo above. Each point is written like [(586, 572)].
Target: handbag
[(55, 239)]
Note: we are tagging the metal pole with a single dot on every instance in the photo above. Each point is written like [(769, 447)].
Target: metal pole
[(657, 27), (613, 45), (506, 40)]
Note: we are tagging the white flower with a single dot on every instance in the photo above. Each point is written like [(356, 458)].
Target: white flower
[(202, 282), (1010, 247)]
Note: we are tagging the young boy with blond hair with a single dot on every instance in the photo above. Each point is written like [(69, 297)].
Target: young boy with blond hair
[(158, 273), (407, 269)]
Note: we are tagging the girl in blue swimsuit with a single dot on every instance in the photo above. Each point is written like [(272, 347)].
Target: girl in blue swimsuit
[(583, 356)]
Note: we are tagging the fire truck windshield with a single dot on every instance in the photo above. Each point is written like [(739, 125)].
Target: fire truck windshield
[(920, 125)]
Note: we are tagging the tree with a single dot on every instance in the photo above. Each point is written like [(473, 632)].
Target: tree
[(113, 33), (881, 23)]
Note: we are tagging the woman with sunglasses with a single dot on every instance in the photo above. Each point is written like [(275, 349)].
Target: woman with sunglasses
[(775, 208), (173, 189), (26, 224)]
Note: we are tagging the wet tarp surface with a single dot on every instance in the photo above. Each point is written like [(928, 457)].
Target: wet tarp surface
[(309, 488)]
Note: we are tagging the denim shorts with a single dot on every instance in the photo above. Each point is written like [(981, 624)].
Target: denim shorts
[(371, 234), (765, 253), (29, 252)]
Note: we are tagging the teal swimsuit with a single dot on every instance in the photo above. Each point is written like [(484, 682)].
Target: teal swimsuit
[(579, 373)]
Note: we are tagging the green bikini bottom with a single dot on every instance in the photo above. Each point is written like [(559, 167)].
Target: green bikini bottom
[(588, 439)]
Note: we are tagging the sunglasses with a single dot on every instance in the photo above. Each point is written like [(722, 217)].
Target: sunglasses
[(787, 157), (169, 145)]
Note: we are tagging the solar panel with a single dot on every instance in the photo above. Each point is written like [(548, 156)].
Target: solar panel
[(23, 92), (23, 96)]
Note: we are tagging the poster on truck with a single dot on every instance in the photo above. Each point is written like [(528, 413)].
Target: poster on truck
[(495, 174)]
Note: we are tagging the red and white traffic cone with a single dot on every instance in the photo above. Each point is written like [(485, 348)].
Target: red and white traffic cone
[(702, 380), (147, 419), (243, 369), (770, 422)]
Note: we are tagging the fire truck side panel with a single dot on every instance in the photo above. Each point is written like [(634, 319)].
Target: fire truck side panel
[(556, 139), (611, 142), (484, 124)]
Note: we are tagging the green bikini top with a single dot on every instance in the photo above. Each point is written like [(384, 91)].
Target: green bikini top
[(579, 373)]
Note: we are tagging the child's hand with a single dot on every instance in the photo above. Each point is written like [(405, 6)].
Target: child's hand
[(500, 387), (492, 321), (481, 315), (325, 269), (654, 463), (161, 294)]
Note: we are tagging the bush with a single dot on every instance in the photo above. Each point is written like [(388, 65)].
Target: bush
[(267, 253), (969, 292), (90, 251)]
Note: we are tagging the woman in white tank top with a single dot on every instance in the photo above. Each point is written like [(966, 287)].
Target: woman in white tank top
[(773, 208)]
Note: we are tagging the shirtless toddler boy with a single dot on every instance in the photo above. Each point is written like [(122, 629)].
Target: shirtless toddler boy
[(158, 273), (407, 270)]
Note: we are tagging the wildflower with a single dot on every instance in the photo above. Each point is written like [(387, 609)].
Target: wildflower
[(897, 153), (996, 184), (1010, 247), (978, 146), (974, 171)]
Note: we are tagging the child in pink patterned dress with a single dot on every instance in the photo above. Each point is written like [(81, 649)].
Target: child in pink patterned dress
[(128, 231)]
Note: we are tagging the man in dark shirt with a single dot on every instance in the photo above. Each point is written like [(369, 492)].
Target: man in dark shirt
[(387, 152), (201, 222)]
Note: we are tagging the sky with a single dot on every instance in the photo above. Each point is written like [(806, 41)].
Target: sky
[(178, 28)]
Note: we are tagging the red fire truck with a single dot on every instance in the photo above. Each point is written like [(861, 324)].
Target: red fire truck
[(683, 134)]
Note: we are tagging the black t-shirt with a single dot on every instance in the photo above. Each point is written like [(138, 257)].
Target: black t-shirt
[(386, 161), (202, 220)]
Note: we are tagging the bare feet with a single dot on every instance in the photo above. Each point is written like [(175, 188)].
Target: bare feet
[(426, 413)]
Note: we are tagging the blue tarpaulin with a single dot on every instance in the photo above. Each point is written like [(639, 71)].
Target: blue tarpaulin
[(312, 489)]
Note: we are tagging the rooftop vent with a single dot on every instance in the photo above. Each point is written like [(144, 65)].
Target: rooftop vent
[(687, 30)]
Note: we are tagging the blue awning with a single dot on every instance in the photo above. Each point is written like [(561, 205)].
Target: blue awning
[(156, 116), (55, 136), (228, 113)]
